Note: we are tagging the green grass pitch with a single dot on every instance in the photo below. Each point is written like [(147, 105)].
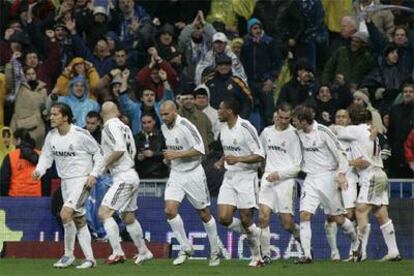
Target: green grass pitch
[(200, 267)]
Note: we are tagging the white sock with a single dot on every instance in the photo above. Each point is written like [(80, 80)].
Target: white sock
[(349, 229), (177, 225), (296, 233), (85, 241), (331, 230), (354, 224), (211, 229), (236, 225), (112, 232), (305, 238), (135, 231), (363, 235), (69, 236), (253, 237), (265, 241), (388, 233)]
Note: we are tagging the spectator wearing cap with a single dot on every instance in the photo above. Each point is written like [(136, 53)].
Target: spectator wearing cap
[(148, 102), (401, 124), (262, 58), (383, 19), (202, 102), (220, 47), (385, 81), (78, 66), (189, 111), (301, 88), (224, 85), (351, 62), (194, 42)]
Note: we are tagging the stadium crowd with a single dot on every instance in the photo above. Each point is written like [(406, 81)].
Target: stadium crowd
[(327, 55)]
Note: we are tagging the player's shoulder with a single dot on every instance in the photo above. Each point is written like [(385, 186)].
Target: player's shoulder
[(267, 130), (246, 125), (80, 131)]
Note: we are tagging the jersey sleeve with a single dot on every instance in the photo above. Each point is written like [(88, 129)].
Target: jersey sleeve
[(296, 154), (336, 148), (193, 136), (46, 157), (90, 145), (252, 139), (263, 139)]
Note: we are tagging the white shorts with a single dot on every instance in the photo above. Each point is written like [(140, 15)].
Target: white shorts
[(278, 196), (321, 190), (349, 195), (239, 189), (122, 195), (72, 190), (367, 193), (192, 184)]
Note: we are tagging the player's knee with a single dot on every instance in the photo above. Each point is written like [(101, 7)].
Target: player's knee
[(128, 217), (104, 213), (225, 220), (287, 223), (264, 220), (330, 218), (79, 222), (305, 216), (204, 215), (65, 215), (350, 216), (170, 213)]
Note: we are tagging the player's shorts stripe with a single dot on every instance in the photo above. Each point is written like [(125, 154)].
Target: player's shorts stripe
[(252, 133), (117, 193), (192, 130), (109, 134)]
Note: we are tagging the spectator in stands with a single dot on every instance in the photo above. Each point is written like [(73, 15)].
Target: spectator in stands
[(194, 42), (30, 106), (135, 24), (202, 102), (2, 95), (386, 79), (223, 84), (383, 18), (352, 62), (200, 120), (302, 86), (7, 48), (326, 106), (236, 46), (409, 150), (101, 57), (343, 38), (401, 124), (17, 168), (6, 142), (150, 144), (262, 59), (147, 103), (361, 98), (220, 48), (94, 124), (78, 100), (78, 67), (149, 77)]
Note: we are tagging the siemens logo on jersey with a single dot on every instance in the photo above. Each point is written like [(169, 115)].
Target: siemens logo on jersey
[(231, 148), (276, 148), (311, 149), (175, 147), (64, 153)]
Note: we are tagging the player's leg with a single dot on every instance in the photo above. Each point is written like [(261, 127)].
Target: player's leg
[(264, 219), (112, 231), (69, 229), (349, 230), (288, 223), (135, 232), (306, 236), (85, 241), (210, 226), (331, 231), (285, 194), (364, 228), (253, 235), (227, 219), (388, 232)]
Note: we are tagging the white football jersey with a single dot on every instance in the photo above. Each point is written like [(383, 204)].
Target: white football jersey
[(183, 136), (241, 140), (322, 151), (76, 154), (362, 144), (116, 136), (283, 152)]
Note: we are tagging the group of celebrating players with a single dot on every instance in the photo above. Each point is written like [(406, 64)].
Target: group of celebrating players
[(335, 160)]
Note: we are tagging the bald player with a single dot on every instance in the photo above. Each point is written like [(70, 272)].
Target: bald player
[(184, 151), (119, 153)]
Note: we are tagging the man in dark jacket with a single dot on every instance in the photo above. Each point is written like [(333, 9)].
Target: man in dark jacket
[(261, 56), (401, 123)]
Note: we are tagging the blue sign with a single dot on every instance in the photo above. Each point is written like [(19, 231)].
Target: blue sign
[(32, 218)]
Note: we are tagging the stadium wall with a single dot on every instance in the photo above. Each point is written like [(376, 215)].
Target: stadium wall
[(30, 219)]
